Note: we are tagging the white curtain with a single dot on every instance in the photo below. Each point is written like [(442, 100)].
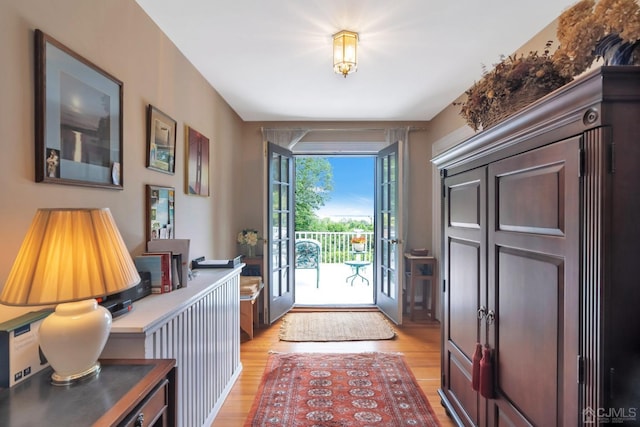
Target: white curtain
[(286, 138)]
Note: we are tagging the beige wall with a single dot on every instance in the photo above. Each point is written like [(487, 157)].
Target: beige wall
[(119, 37)]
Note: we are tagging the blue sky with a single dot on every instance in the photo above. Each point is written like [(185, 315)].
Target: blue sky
[(353, 188)]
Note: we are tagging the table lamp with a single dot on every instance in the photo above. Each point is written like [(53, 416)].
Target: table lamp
[(69, 257)]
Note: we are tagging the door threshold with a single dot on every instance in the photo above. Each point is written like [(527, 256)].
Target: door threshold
[(334, 307)]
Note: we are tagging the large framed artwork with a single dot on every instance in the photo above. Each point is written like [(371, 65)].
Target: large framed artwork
[(78, 118), (197, 182), (161, 141), (160, 212)]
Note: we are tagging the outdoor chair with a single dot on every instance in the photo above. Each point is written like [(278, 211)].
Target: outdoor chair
[(308, 256)]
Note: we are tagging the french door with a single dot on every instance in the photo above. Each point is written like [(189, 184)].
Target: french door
[(280, 231), (388, 232)]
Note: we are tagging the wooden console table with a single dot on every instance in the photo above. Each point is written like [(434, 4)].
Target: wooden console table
[(124, 393), (199, 326)]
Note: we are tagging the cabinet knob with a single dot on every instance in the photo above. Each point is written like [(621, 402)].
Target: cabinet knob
[(482, 311), (491, 317), (139, 421)]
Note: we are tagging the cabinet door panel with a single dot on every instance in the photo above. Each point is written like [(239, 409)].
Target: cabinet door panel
[(530, 322), (465, 289), (533, 285), (464, 296), (519, 206), (465, 399), (464, 201)]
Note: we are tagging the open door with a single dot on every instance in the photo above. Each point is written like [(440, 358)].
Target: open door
[(389, 231), (280, 231)]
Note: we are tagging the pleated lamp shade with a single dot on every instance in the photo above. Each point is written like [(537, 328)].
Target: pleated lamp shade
[(69, 255), (68, 258)]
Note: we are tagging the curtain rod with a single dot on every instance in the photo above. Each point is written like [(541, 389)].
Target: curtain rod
[(411, 128)]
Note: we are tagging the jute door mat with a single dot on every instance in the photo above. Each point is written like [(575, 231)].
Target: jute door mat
[(336, 326)]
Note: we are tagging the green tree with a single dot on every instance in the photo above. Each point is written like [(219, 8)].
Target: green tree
[(314, 184)]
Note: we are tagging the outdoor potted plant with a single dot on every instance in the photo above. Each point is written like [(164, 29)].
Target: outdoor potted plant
[(358, 243)]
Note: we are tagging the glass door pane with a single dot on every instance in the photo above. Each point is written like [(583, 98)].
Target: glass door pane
[(281, 292), (388, 224)]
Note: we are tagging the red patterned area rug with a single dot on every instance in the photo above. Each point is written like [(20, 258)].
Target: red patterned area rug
[(339, 390)]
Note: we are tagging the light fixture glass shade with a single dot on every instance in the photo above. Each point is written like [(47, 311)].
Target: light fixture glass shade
[(69, 256), (345, 52)]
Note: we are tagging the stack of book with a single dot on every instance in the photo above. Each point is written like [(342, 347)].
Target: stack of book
[(249, 286), (165, 270), (176, 247)]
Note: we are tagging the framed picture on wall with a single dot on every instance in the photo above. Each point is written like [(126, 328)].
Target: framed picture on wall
[(161, 141), (197, 182), (78, 118), (160, 212)]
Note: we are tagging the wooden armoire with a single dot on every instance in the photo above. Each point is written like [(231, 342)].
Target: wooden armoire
[(541, 260)]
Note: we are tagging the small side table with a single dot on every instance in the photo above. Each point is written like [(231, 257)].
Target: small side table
[(249, 311), (255, 267), (357, 265), (414, 270)]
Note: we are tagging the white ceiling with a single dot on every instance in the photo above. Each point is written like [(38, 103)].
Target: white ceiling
[(271, 60)]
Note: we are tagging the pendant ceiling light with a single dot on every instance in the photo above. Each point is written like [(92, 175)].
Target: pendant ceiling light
[(345, 52)]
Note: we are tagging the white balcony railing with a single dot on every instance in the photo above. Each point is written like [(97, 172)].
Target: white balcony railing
[(336, 247)]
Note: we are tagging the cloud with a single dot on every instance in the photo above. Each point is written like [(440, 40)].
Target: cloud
[(348, 206)]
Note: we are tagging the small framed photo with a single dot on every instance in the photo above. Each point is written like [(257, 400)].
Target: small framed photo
[(197, 182), (78, 118), (160, 212), (161, 141)]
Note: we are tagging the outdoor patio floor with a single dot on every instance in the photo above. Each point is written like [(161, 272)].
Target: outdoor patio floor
[(334, 289)]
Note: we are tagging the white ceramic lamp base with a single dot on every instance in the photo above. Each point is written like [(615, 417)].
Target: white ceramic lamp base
[(72, 339)]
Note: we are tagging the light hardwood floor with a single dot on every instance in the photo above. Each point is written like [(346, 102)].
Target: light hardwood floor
[(418, 341)]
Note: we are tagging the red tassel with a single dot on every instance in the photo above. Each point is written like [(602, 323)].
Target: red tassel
[(475, 369), (486, 374)]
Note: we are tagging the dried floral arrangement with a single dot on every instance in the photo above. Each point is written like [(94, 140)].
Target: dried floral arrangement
[(512, 84), (609, 29)]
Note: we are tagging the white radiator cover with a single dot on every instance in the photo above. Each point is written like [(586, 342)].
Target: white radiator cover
[(199, 326)]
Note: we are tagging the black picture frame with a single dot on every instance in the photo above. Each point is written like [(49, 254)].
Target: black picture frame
[(160, 214), (161, 141), (78, 119)]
